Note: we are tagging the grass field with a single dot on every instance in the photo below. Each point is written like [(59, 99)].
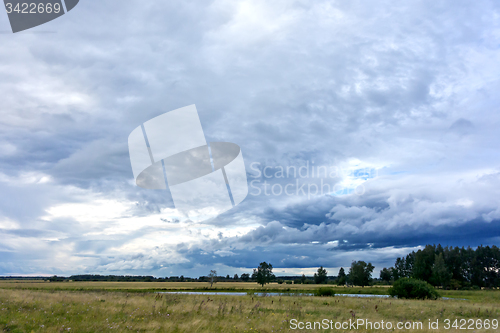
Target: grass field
[(165, 286), (131, 307)]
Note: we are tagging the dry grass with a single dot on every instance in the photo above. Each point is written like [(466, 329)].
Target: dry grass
[(96, 311), (138, 286)]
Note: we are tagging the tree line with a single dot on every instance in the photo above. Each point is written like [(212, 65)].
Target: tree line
[(141, 278), (449, 267), (360, 274)]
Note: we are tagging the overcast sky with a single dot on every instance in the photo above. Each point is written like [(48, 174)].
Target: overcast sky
[(399, 100)]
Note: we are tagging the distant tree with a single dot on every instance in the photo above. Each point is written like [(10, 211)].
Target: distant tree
[(321, 276), (440, 274), (245, 277), (235, 277), (491, 263), (181, 279), (386, 275), (228, 277), (213, 277), (409, 264), (424, 259), (55, 278), (303, 279), (263, 274), (394, 274), (454, 262), (360, 273), (403, 267), (341, 279), (398, 271)]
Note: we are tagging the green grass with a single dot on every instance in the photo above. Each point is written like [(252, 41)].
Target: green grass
[(93, 310), (186, 286)]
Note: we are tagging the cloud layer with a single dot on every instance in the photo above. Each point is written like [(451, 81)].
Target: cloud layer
[(401, 98)]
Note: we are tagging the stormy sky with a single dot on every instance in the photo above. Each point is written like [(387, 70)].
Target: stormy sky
[(397, 101)]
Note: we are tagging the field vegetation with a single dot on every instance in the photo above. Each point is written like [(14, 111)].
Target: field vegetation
[(132, 307), (179, 286)]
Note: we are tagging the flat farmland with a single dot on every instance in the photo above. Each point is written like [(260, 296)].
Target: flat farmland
[(178, 286), (133, 307)]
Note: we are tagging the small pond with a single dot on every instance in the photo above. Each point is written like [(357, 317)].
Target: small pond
[(279, 294), (262, 294)]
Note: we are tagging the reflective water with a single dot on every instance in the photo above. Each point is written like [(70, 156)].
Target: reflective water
[(278, 294), (263, 294)]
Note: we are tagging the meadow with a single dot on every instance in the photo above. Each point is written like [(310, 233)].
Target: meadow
[(178, 286), (134, 307)]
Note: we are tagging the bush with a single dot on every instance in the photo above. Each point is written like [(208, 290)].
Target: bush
[(288, 282), (324, 291), (280, 281), (413, 288), (455, 284)]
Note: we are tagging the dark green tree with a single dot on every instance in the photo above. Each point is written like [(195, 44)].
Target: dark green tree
[(303, 279), (263, 274), (321, 276), (453, 261), (245, 277), (341, 279), (492, 267), (409, 264), (360, 273), (398, 271), (440, 274), (386, 275), (424, 259)]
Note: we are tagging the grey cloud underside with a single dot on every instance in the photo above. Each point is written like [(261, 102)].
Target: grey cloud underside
[(410, 87)]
